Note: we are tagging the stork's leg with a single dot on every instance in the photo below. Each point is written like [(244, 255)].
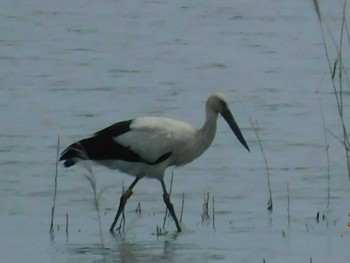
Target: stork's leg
[(122, 203), (169, 205)]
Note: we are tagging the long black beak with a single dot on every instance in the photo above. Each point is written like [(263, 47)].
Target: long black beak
[(234, 127)]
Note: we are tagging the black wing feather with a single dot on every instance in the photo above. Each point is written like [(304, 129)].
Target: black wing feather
[(103, 147), (116, 129)]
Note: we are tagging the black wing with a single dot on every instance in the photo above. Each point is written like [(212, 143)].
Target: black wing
[(116, 129), (102, 146)]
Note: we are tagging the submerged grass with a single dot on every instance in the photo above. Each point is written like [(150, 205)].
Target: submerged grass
[(205, 210), (138, 208)]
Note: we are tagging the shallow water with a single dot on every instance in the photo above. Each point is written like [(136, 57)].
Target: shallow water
[(70, 69)]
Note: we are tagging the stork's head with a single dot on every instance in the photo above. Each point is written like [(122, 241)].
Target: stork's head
[(218, 102)]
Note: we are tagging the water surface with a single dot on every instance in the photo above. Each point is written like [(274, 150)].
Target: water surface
[(72, 68)]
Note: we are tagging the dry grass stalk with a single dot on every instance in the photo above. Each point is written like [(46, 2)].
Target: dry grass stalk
[(90, 177), (170, 190), (55, 189), (121, 227), (327, 155), (317, 10), (342, 73), (67, 225), (182, 206), (213, 200), (256, 129), (288, 204)]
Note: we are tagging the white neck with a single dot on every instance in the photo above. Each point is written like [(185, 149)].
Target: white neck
[(206, 134), (203, 139)]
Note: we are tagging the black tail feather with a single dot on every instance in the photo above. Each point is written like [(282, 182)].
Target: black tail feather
[(102, 147), (97, 148), (72, 153), (69, 163)]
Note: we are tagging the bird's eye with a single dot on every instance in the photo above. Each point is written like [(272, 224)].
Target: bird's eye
[(223, 105)]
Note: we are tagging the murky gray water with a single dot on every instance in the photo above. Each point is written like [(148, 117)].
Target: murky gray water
[(71, 68)]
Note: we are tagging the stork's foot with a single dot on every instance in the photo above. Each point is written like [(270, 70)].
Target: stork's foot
[(170, 207), (123, 199)]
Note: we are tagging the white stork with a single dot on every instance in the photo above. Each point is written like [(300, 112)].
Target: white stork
[(145, 147)]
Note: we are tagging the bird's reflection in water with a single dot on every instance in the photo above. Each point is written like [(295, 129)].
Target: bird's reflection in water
[(147, 251)]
